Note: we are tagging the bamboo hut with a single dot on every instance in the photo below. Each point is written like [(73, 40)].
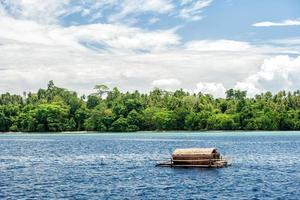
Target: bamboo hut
[(196, 157)]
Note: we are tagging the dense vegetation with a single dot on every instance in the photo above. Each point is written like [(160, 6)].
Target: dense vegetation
[(57, 109)]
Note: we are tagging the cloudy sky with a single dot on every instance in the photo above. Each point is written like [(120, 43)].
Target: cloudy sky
[(198, 45)]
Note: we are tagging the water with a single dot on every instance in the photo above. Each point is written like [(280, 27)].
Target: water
[(266, 165)]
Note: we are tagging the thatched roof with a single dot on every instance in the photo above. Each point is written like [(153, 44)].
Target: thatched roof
[(194, 151)]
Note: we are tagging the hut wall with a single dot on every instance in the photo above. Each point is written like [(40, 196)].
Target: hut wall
[(195, 156), (192, 162), (192, 156)]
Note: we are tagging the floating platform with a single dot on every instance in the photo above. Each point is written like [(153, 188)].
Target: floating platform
[(196, 157)]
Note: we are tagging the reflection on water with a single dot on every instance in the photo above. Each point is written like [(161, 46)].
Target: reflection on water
[(114, 166)]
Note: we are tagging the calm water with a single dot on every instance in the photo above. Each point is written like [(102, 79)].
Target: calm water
[(266, 165)]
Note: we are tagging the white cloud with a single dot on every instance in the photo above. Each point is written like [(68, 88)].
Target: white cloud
[(35, 47), (287, 41), (215, 89), (167, 83), (44, 11), (288, 22), (112, 36), (112, 11), (33, 53), (153, 20), (247, 86), (276, 73), (283, 46), (192, 9), (217, 45), (49, 11), (118, 37), (26, 66), (134, 7)]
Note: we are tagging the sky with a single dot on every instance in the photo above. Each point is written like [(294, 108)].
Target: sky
[(205, 46)]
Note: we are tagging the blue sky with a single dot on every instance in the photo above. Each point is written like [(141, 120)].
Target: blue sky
[(233, 20), (198, 45)]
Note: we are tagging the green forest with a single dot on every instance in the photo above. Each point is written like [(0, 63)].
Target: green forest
[(56, 109)]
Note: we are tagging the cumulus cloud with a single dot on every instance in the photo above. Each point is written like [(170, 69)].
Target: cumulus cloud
[(123, 37), (36, 46), (112, 36), (276, 73), (32, 53), (29, 66), (213, 88), (217, 45), (170, 83), (288, 22)]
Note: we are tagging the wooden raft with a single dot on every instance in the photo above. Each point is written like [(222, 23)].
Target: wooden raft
[(195, 157)]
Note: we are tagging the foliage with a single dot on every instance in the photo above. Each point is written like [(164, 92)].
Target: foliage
[(57, 109)]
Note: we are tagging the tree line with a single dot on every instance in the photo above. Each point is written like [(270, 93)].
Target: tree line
[(57, 109)]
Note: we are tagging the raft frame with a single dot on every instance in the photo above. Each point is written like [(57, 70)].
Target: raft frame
[(215, 163)]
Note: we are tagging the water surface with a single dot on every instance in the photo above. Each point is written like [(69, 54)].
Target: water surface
[(266, 165)]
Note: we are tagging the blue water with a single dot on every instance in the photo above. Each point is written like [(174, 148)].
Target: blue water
[(266, 165)]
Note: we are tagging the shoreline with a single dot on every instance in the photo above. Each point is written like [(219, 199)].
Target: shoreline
[(158, 132)]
